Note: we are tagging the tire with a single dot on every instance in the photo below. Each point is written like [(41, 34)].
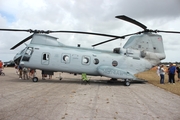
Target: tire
[(127, 83), (35, 79)]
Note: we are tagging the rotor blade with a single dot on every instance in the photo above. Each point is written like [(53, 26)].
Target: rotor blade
[(26, 39), (116, 38), (104, 42), (167, 31), (123, 17), (14, 30), (91, 33)]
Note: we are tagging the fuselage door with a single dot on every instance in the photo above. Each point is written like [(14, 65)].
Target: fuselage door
[(45, 58)]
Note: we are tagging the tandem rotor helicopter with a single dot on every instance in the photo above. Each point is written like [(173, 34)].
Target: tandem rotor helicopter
[(142, 51)]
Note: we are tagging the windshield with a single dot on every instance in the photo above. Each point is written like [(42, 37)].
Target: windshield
[(29, 51), (23, 50)]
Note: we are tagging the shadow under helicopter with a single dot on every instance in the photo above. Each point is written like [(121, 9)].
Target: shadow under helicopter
[(80, 82)]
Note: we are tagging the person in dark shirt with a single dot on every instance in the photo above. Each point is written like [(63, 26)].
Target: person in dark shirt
[(172, 71), (178, 73), (20, 71)]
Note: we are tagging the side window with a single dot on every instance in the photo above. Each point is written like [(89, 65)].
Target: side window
[(65, 58), (86, 60), (96, 61), (45, 56), (114, 63)]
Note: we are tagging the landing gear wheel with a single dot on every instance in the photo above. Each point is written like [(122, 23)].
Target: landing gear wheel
[(35, 79), (127, 82)]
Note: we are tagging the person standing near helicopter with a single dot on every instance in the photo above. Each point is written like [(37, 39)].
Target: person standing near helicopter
[(20, 71), (1, 66), (178, 73), (172, 72), (162, 74)]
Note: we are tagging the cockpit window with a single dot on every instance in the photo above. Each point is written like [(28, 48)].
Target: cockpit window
[(29, 51), (27, 54)]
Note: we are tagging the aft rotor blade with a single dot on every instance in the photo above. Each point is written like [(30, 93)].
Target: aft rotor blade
[(90, 33), (26, 39), (123, 17), (167, 31), (122, 37), (104, 42)]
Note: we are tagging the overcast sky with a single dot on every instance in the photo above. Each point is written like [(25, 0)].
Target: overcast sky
[(90, 16)]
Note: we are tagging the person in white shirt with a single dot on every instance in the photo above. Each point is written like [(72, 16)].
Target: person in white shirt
[(162, 74), (158, 70)]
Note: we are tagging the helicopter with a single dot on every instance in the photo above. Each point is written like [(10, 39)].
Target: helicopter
[(142, 51)]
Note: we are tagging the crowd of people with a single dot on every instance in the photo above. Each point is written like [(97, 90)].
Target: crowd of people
[(26, 73), (172, 70)]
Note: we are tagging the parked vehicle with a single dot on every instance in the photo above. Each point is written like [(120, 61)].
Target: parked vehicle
[(9, 64)]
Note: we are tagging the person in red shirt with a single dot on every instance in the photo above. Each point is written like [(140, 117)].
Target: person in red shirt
[(1, 66)]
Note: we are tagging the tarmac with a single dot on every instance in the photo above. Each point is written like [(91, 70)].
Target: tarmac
[(68, 99)]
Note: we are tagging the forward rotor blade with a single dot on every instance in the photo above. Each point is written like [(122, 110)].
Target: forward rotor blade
[(91, 33), (26, 39), (123, 17), (122, 37), (14, 30), (167, 31)]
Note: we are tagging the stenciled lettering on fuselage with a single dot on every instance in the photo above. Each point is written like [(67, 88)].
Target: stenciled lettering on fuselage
[(114, 72)]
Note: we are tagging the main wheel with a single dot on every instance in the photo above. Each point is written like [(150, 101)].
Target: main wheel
[(35, 79), (127, 82)]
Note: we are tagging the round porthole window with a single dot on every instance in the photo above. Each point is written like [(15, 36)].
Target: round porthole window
[(85, 60), (66, 58), (96, 61), (114, 63)]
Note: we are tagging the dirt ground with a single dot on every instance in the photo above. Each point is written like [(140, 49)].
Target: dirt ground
[(70, 100), (152, 77)]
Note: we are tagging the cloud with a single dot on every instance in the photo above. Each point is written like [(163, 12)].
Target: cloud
[(90, 15)]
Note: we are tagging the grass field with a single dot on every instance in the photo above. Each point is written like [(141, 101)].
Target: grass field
[(152, 77)]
